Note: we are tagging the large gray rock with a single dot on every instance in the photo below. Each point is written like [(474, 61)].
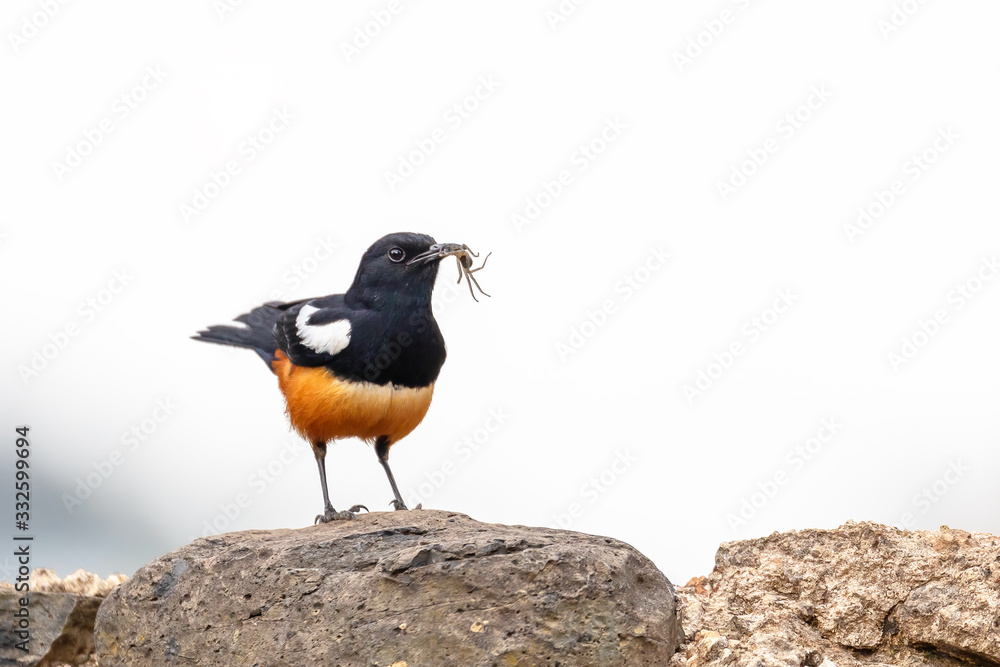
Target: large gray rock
[(420, 588), (863, 594)]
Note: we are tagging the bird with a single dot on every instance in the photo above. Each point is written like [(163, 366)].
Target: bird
[(360, 364)]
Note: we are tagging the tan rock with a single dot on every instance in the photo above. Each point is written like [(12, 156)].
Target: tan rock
[(61, 614), (80, 582), (863, 594)]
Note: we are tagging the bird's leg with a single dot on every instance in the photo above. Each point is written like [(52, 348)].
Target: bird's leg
[(329, 514), (382, 451)]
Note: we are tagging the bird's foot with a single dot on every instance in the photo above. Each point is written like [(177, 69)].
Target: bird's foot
[(330, 514), (399, 505)]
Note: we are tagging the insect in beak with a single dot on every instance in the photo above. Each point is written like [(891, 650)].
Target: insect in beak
[(463, 254)]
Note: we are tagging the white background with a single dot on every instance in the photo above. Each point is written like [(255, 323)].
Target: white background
[(687, 466)]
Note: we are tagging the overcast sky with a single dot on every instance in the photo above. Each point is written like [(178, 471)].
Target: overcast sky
[(744, 272)]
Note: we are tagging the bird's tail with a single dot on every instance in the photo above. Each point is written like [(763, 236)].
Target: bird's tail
[(256, 332)]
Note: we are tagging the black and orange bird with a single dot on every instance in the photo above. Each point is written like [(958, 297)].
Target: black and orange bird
[(360, 364)]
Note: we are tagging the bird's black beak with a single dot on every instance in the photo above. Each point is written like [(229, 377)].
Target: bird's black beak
[(438, 251)]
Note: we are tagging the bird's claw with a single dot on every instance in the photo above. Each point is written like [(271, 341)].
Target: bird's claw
[(331, 514), (399, 505)]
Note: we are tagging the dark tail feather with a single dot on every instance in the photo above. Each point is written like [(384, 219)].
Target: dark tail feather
[(256, 334)]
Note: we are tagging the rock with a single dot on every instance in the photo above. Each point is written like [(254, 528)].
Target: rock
[(863, 594), (80, 582), (415, 588), (62, 613)]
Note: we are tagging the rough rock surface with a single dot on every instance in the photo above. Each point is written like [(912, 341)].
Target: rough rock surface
[(863, 594), (416, 588), (62, 615)]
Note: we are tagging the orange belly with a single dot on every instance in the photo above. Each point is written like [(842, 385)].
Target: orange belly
[(323, 407)]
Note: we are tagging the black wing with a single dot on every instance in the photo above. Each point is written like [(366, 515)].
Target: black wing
[(313, 332), (403, 347)]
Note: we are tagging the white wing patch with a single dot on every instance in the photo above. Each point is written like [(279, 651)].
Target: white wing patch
[(330, 338)]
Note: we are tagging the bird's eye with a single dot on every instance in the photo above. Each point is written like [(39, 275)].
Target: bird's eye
[(397, 254)]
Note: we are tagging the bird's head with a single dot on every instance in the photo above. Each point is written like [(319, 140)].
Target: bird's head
[(397, 267)]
